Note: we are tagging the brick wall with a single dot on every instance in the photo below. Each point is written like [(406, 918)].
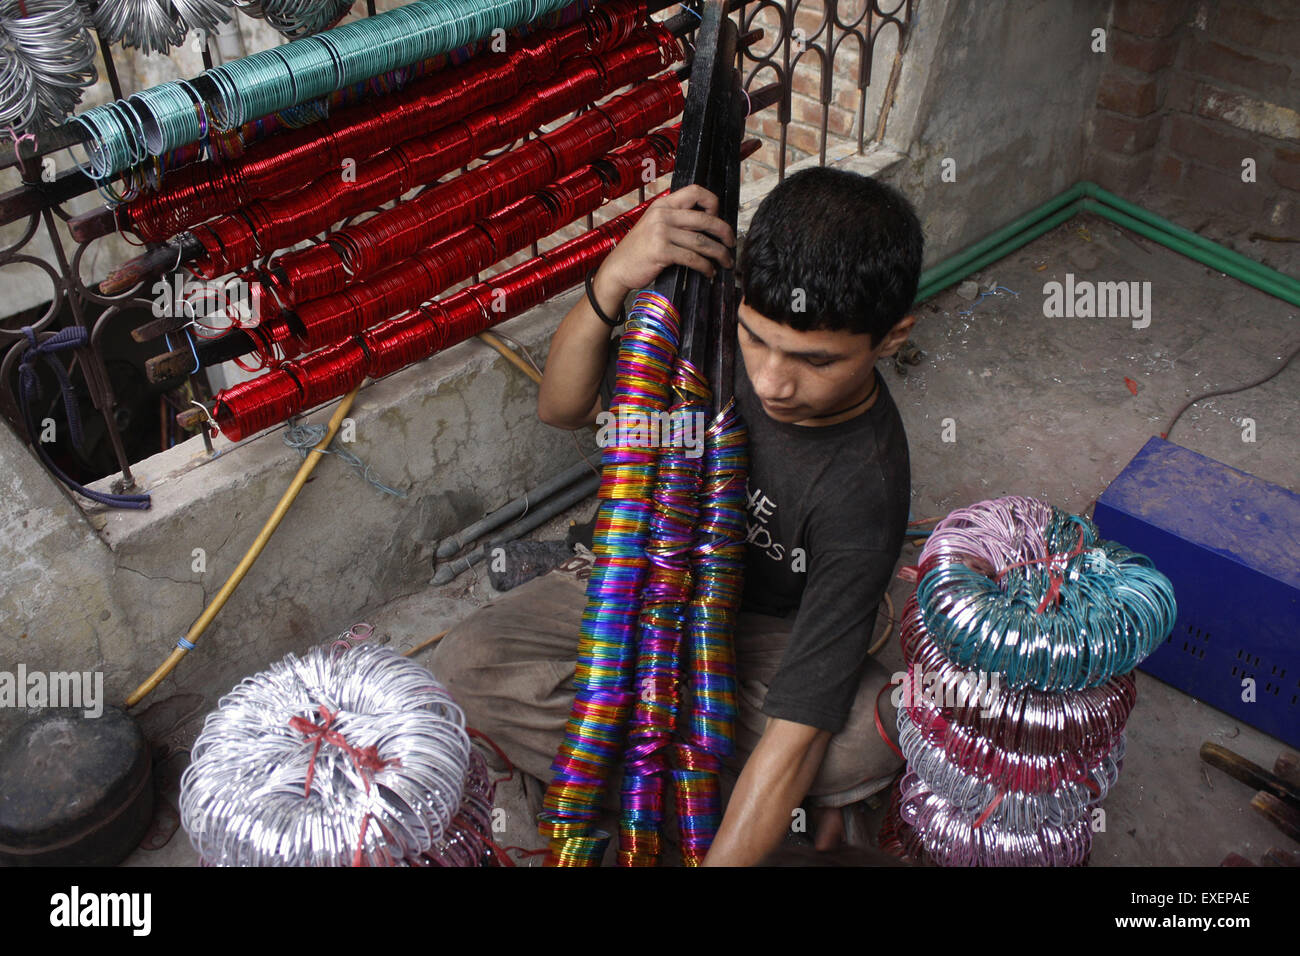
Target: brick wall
[(803, 135), (1191, 90)]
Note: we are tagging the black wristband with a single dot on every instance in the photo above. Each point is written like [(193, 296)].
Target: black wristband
[(595, 306)]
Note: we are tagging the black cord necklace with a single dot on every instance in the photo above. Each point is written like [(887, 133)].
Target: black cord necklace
[(875, 387)]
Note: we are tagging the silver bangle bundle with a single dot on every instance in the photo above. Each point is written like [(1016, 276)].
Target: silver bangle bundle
[(244, 800), (296, 18), (155, 26), (47, 58), (970, 796), (204, 15), (144, 24)]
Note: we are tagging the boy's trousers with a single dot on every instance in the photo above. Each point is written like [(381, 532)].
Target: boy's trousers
[(510, 665)]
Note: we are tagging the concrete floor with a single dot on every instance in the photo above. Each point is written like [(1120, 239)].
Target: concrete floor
[(1041, 408)]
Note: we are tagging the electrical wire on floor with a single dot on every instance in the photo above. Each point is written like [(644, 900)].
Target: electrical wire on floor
[(187, 643), (1227, 391), (889, 627)]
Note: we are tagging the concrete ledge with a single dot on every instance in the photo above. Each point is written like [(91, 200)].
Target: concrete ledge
[(459, 433), (56, 597)]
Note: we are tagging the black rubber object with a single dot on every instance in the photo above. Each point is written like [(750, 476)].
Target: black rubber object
[(74, 791), (525, 560)]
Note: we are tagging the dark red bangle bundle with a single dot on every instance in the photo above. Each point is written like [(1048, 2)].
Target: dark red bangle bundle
[(282, 163), (233, 241), (1025, 740), (458, 255), (252, 406), (468, 251), (313, 274), (357, 251)]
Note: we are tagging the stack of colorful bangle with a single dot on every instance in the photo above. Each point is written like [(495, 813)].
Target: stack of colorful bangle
[(607, 650), (664, 599), (661, 602), (1023, 631)]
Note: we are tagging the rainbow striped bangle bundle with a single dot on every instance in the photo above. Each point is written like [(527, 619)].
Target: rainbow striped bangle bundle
[(1007, 768), (655, 660)]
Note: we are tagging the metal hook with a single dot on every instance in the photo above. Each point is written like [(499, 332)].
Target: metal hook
[(207, 414)]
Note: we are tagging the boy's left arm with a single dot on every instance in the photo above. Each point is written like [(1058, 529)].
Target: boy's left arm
[(775, 779), (816, 684)]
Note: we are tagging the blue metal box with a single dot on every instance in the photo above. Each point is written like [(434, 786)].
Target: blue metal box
[(1230, 543)]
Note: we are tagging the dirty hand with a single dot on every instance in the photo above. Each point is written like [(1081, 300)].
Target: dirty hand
[(671, 232)]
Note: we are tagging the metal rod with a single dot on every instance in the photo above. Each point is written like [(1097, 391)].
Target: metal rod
[(722, 362), (448, 546), (31, 198), (585, 489), (705, 112), (110, 68), (92, 365)]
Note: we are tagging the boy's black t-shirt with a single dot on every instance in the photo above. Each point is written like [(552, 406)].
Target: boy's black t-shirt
[(828, 510)]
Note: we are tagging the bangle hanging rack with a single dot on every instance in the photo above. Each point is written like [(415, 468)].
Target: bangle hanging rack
[(404, 286), (617, 20), (276, 394), (281, 164)]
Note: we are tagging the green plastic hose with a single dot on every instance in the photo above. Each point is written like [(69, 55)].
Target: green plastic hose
[(1087, 196)]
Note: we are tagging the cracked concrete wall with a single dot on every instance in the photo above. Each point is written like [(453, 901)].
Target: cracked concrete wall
[(57, 602), (1004, 91)]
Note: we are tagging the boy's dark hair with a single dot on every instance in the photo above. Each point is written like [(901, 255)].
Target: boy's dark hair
[(850, 243)]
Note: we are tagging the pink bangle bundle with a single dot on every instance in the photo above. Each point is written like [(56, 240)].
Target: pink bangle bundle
[(1020, 642)]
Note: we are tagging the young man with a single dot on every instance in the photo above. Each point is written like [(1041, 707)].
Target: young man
[(829, 269)]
